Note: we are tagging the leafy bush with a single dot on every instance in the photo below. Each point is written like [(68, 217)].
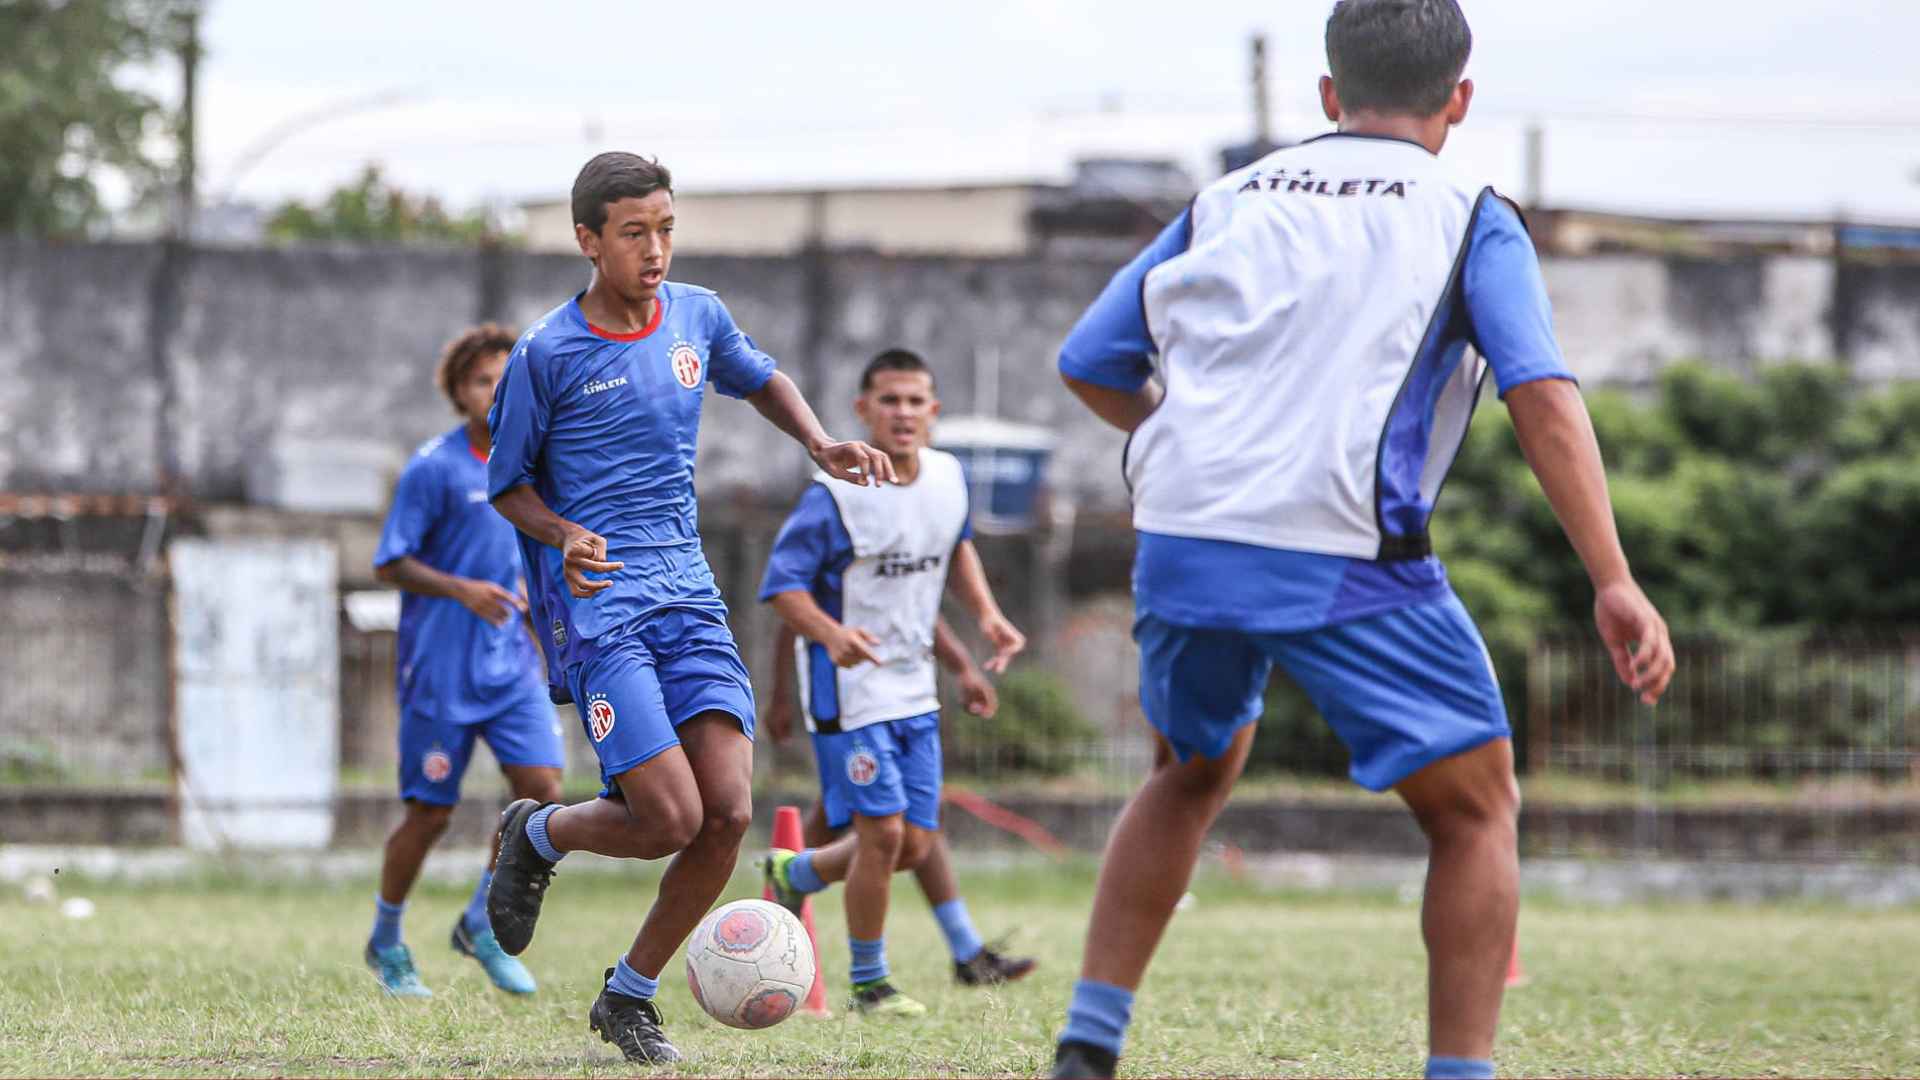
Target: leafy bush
[(1036, 730), (1763, 508)]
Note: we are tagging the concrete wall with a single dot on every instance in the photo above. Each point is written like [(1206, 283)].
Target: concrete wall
[(84, 676), (122, 364)]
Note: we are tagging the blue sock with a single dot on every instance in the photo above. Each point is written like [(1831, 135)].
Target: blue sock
[(476, 915), (869, 960), (1458, 1068), (801, 874), (962, 938), (386, 923), (537, 832), (1098, 1015), (631, 983)]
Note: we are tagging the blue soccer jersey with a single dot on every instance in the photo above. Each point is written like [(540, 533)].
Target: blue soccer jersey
[(604, 427), (452, 663), (1310, 318)]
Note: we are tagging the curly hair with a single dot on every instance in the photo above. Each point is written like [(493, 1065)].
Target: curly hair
[(458, 358)]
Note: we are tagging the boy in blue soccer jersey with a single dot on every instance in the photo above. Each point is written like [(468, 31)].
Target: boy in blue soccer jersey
[(594, 429), (466, 668), (1312, 315), (859, 573)]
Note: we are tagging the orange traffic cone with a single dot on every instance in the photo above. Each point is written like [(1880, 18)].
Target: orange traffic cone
[(788, 834), (1515, 976)]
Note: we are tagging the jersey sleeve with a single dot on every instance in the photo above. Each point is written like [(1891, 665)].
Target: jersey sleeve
[(518, 420), (1110, 346), (1507, 300), (417, 501), (735, 364), (812, 542)]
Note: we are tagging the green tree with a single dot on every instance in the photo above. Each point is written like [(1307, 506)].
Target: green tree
[(369, 210), (69, 117)]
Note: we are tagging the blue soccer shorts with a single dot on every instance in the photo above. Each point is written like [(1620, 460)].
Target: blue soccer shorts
[(892, 767), (1402, 690), (652, 677), (435, 749)]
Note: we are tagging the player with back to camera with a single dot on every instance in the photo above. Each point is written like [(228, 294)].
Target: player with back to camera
[(1312, 314), (466, 668), (859, 573), (594, 426)]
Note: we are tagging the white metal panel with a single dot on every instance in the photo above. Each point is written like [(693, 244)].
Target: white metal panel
[(256, 692)]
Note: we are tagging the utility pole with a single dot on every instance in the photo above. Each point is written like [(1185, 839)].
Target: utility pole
[(189, 45), (1536, 165), (1262, 112)]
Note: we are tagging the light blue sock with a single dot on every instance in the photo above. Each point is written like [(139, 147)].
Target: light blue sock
[(801, 874), (476, 915), (869, 960), (1098, 1015), (386, 923), (962, 938), (1458, 1068), (537, 833), (631, 983)]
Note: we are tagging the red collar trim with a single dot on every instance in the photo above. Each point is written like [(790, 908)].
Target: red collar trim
[(659, 313), (478, 454)]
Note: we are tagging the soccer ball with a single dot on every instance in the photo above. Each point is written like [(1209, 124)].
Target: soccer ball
[(750, 964)]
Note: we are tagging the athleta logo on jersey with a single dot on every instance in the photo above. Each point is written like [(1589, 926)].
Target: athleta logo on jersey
[(600, 717), (1305, 183), (601, 386), (895, 564), (685, 363)]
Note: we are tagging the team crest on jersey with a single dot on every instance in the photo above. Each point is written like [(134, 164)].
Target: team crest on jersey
[(436, 766), (862, 767), (600, 716), (686, 365)]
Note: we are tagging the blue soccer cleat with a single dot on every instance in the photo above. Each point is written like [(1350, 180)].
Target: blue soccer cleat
[(393, 966), (507, 972)]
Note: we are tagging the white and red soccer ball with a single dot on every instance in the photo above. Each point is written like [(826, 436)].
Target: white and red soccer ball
[(750, 964)]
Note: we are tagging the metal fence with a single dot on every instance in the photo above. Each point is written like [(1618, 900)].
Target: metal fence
[(1767, 748), (1783, 746)]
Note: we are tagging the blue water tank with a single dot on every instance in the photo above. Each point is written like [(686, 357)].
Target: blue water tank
[(1006, 466)]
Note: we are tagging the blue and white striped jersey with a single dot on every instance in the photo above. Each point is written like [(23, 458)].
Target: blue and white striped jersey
[(1310, 318)]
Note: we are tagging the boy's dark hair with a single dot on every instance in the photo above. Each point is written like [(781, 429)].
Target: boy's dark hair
[(1397, 56), (893, 360), (458, 358), (613, 176)]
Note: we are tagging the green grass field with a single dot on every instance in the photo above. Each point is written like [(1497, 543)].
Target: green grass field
[(218, 978)]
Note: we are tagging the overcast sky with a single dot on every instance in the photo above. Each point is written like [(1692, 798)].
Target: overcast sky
[(1690, 106)]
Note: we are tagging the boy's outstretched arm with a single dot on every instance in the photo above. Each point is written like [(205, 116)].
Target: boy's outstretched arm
[(855, 462), (1551, 422)]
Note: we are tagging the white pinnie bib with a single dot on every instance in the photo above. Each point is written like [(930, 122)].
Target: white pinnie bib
[(903, 540)]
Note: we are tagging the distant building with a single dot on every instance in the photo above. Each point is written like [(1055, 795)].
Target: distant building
[(1110, 205)]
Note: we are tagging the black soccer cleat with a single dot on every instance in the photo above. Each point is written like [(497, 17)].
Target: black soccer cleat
[(633, 1025), (520, 878), (989, 967), (1082, 1061)]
